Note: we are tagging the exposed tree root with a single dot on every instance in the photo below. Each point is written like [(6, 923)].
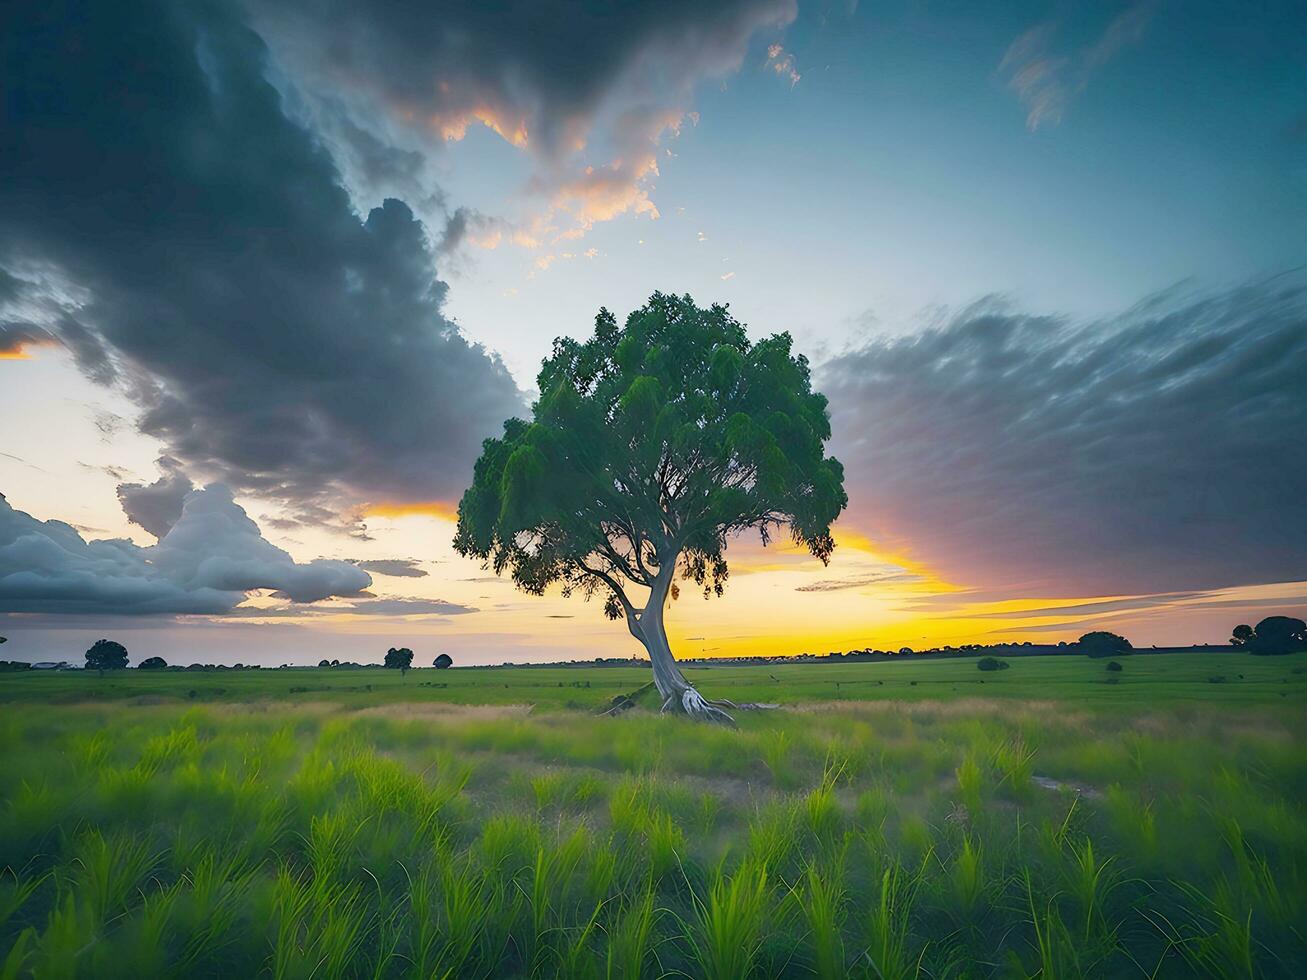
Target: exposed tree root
[(694, 705), (689, 702)]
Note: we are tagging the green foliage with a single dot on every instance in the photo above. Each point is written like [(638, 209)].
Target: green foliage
[(726, 930), (164, 838), (1274, 635), (400, 658), (106, 655), (1101, 643), (651, 445), (992, 663)]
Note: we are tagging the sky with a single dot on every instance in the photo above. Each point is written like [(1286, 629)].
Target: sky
[(271, 272)]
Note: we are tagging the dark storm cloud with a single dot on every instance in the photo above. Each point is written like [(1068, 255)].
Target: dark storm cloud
[(156, 506), (394, 567), (543, 68), (1161, 450), (205, 564), (212, 265), (16, 335), (590, 90)]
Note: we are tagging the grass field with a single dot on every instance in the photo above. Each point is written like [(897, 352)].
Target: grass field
[(895, 820)]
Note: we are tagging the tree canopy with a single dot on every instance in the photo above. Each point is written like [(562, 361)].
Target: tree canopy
[(650, 446), (400, 659), (152, 663), (1101, 643), (443, 662), (106, 655), (1273, 635), (660, 439)]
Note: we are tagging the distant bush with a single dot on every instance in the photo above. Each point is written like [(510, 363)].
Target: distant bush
[(152, 663), (443, 662), (106, 655), (1273, 636), (1114, 666), (992, 663), (1100, 643)]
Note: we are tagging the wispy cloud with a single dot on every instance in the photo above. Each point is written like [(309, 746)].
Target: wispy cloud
[(782, 63), (1095, 607), (859, 581), (1047, 79), (394, 567), (1148, 452)]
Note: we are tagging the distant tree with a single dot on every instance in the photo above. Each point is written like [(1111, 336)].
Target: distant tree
[(152, 663), (324, 663), (1276, 635), (106, 655), (905, 651), (1100, 643), (651, 445), (992, 663), (1114, 667), (443, 662), (1242, 634), (401, 659)]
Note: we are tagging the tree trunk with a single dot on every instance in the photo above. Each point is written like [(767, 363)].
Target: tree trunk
[(677, 693)]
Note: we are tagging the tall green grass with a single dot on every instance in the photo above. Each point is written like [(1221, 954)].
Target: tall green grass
[(881, 840)]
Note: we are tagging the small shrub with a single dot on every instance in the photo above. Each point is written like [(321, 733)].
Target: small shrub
[(1114, 666), (992, 663)]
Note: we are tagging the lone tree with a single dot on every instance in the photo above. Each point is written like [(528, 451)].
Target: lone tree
[(650, 446), (106, 655), (1101, 643), (1273, 635), (401, 659), (152, 663), (443, 662)]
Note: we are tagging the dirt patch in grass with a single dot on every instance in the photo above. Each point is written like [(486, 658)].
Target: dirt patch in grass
[(951, 708)]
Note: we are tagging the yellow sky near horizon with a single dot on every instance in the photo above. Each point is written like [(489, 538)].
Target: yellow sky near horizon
[(62, 463)]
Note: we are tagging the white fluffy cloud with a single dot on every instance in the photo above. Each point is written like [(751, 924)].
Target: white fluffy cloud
[(205, 564)]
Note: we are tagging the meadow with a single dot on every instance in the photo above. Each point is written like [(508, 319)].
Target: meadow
[(892, 820)]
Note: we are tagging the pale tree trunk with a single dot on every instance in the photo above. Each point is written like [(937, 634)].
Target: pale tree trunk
[(678, 694)]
